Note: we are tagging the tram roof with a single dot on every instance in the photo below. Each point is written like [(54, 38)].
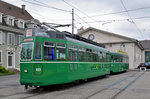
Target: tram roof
[(59, 35), (77, 37)]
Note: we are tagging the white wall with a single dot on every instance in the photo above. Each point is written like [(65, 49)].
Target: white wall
[(103, 37), (138, 56)]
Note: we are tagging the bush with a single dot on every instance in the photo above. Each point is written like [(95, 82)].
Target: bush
[(3, 70)]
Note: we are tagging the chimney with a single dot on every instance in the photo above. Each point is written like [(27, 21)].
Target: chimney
[(23, 8), (81, 29)]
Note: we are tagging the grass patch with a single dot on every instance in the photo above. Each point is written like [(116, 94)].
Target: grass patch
[(4, 71), (9, 73)]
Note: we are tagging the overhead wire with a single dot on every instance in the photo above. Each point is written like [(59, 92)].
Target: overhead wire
[(91, 17), (42, 16), (47, 6), (113, 13), (131, 18), (82, 20), (115, 20), (78, 9), (120, 12), (81, 12), (75, 13)]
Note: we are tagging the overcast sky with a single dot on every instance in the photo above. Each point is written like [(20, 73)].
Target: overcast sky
[(129, 18)]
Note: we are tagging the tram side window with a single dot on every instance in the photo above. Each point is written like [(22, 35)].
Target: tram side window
[(115, 58), (81, 54), (38, 51), (61, 51), (89, 55), (100, 55), (95, 56), (104, 57), (121, 59), (108, 57), (73, 52), (124, 59), (49, 51)]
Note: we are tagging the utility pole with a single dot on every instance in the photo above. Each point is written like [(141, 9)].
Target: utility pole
[(72, 21)]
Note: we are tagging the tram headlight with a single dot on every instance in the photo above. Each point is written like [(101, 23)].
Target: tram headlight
[(25, 70)]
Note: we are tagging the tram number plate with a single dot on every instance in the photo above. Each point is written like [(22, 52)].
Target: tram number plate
[(38, 69)]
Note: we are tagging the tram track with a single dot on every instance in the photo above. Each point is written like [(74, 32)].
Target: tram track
[(33, 93), (117, 83), (128, 85), (28, 94), (36, 94)]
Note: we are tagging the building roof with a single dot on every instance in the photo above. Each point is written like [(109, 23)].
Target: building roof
[(9, 9), (113, 34), (109, 33), (145, 44)]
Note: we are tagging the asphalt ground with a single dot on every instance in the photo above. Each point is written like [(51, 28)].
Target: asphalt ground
[(127, 85)]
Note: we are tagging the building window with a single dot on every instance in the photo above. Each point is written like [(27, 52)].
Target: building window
[(0, 57), (11, 39), (18, 39), (21, 24), (122, 47), (147, 56), (2, 37), (0, 17), (91, 37), (11, 21)]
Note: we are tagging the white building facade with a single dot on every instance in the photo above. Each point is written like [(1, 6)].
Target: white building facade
[(12, 24)]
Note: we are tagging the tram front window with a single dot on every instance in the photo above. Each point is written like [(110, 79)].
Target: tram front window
[(26, 51)]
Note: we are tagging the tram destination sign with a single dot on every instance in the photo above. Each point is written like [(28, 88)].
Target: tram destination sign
[(28, 39), (29, 33)]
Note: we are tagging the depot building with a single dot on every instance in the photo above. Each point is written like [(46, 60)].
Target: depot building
[(138, 51)]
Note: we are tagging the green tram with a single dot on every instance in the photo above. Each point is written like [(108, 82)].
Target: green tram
[(119, 62), (52, 57)]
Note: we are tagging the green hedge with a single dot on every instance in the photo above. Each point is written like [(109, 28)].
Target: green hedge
[(3, 70)]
